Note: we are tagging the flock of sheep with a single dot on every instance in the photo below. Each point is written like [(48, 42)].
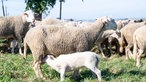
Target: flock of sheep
[(58, 41)]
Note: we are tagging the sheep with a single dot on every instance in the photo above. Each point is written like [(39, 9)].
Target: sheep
[(15, 27), (72, 62), (56, 40), (121, 23), (139, 43), (125, 37), (105, 36), (52, 21)]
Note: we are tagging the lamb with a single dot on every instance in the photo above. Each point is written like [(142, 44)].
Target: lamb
[(125, 37), (15, 27), (56, 40), (139, 42), (75, 61)]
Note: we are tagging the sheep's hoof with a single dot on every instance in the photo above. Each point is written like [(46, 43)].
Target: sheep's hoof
[(44, 78), (138, 65)]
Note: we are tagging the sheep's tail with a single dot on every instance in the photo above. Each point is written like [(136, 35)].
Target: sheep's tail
[(121, 42), (25, 48), (135, 46)]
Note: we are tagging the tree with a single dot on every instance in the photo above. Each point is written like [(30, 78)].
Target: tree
[(40, 6)]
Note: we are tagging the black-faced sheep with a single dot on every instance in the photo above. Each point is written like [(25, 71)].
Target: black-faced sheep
[(56, 40), (139, 42), (15, 27), (77, 60)]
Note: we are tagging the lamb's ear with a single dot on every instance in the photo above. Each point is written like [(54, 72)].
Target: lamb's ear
[(52, 57)]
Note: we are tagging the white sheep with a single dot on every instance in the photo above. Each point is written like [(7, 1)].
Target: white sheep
[(139, 42), (56, 40), (125, 37), (72, 62), (15, 27)]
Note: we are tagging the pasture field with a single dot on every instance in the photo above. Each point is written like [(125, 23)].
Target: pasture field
[(14, 68)]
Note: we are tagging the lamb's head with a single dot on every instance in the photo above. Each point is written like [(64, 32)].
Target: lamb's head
[(28, 16), (109, 22), (50, 57)]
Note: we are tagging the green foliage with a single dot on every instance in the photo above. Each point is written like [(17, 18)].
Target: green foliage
[(40, 6), (14, 68)]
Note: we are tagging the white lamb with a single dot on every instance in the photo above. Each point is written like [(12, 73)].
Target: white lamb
[(75, 61)]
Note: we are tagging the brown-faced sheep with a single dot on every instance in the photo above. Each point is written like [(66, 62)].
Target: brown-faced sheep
[(15, 27), (139, 42), (56, 40)]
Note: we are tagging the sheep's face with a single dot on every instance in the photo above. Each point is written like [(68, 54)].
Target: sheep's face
[(109, 22), (29, 16)]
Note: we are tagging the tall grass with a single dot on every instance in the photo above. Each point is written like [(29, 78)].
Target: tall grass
[(14, 68)]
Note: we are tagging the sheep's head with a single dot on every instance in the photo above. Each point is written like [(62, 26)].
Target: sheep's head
[(28, 16), (109, 22)]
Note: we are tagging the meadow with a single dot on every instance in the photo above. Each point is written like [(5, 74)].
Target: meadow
[(14, 68)]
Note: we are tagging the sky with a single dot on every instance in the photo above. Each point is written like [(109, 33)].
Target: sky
[(86, 10)]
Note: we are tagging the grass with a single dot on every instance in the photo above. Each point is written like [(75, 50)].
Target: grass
[(14, 68)]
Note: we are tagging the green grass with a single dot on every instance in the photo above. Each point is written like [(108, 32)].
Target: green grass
[(14, 68)]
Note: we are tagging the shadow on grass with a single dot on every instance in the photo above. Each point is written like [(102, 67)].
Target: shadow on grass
[(106, 75), (135, 72)]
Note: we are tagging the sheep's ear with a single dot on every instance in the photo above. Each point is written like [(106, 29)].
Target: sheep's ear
[(118, 32), (104, 20), (145, 22), (26, 14)]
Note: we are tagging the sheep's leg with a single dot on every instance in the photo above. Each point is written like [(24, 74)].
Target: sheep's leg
[(135, 50), (13, 46), (37, 69), (128, 51), (19, 46), (62, 75), (101, 50), (138, 57), (96, 71), (25, 49), (110, 46)]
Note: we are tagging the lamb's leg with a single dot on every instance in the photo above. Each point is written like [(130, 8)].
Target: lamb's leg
[(96, 71), (62, 74), (76, 74), (138, 57)]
